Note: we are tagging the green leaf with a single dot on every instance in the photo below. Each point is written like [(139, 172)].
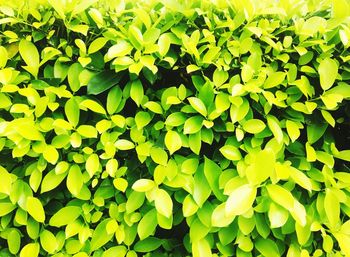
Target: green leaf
[(73, 76), (267, 247), (136, 92), (163, 203), (274, 79), (135, 201), (193, 125), (14, 241), (175, 119), (92, 164), (51, 181), (122, 48), (5, 182), (261, 167), (123, 144), (343, 155), (93, 106), (51, 154), (75, 180), (72, 111), (275, 127), (219, 217), (142, 119), (97, 44), (328, 71), (281, 196), (115, 251), (65, 216), (198, 105), (30, 55), (30, 250), (332, 208), (172, 141), (201, 190), (87, 131), (240, 200), (103, 81), (159, 156), (143, 185), (100, 236), (315, 131), (48, 241), (277, 216), (147, 224), (114, 99), (35, 209), (231, 152), (147, 245), (292, 130), (201, 248), (254, 126)]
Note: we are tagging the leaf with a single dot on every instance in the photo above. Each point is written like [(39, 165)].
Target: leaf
[(5, 182), (172, 141), (142, 119), (72, 111), (147, 245), (292, 130), (277, 216), (87, 131), (212, 173), (343, 155), (163, 203), (281, 196), (103, 81), (73, 76), (219, 217), (136, 92), (14, 241), (201, 248), (122, 48), (275, 127), (332, 208), (48, 241), (93, 106), (51, 154), (267, 247), (240, 200), (97, 44), (315, 131), (147, 224), (29, 53), (274, 79), (261, 167), (100, 236), (135, 201), (201, 190), (30, 250), (193, 125), (35, 209), (114, 99), (123, 144), (253, 126), (159, 156), (198, 105), (115, 251), (231, 153), (75, 180), (51, 181), (65, 216), (328, 71), (143, 185), (92, 164)]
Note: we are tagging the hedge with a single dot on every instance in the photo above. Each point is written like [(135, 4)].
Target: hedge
[(174, 128)]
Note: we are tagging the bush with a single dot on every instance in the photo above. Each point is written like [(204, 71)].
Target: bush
[(174, 128)]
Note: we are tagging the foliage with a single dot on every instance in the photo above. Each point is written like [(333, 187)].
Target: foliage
[(174, 128)]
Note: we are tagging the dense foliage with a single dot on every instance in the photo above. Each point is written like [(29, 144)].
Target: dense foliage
[(174, 128)]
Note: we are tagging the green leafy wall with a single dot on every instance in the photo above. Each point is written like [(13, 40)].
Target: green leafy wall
[(174, 128)]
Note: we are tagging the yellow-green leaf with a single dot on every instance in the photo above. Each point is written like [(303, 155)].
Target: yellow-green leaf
[(35, 209), (328, 71), (163, 203), (172, 141), (30, 250), (240, 200)]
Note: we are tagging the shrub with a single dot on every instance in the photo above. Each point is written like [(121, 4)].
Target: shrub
[(174, 128)]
